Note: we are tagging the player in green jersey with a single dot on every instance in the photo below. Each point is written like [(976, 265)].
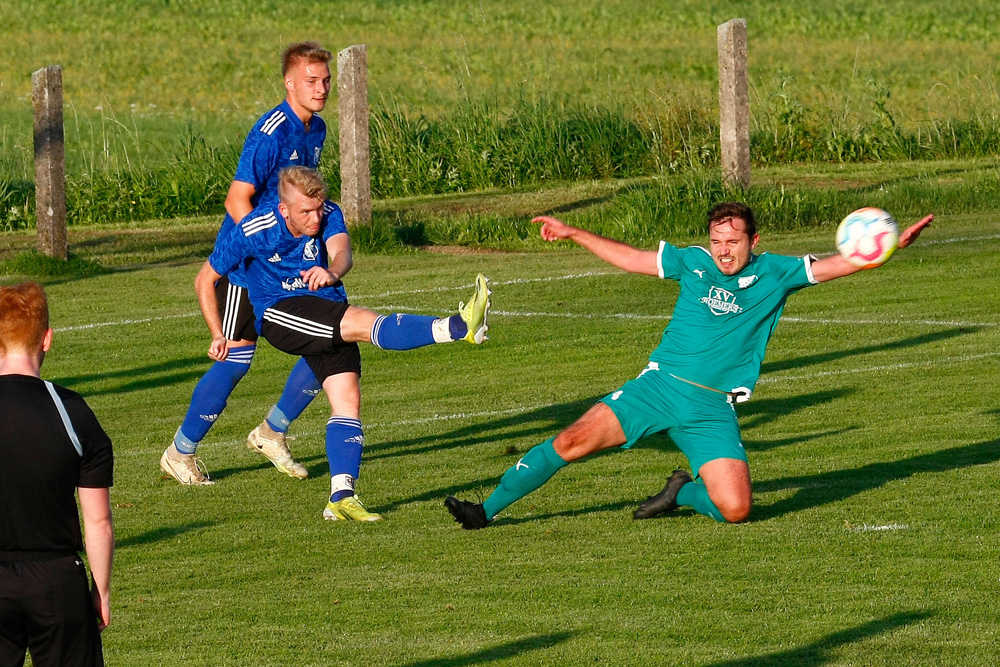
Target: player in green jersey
[(709, 359)]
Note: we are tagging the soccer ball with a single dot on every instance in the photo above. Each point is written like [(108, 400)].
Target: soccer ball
[(867, 237)]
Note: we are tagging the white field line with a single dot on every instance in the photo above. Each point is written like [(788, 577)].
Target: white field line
[(524, 409), (784, 318), (584, 316), (354, 297), (572, 276), (866, 528)]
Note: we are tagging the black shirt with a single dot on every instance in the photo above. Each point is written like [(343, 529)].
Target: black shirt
[(40, 469)]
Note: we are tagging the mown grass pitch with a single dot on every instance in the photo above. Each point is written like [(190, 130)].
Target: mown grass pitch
[(873, 440)]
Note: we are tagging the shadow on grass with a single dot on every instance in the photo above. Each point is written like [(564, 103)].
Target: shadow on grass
[(480, 486), (551, 418), (162, 533), (824, 357), (764, 445), (501, 652), (156, 376), (838, 485), (593, 509), (822, 652)]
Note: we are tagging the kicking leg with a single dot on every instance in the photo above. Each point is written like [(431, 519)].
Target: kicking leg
[(406, 332)]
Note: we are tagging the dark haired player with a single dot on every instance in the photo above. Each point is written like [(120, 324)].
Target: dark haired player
[(709, 359)]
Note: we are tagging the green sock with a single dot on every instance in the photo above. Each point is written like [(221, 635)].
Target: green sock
[(694, 494), (534, 469)]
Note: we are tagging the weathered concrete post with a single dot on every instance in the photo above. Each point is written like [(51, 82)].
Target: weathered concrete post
[(355, 168), (734, 102), (50, 161)]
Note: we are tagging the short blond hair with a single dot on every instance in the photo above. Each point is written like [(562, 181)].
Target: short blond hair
[(24, 317), (310, 52), (303, 179)]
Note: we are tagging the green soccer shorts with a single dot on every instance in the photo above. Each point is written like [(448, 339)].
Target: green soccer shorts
[(702, 423)]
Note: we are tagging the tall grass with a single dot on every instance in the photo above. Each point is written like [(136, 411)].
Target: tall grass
[(484, 144), (675, 207)]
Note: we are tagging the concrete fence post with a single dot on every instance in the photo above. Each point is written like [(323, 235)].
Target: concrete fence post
[(734, 103), (355, 163), (50, 161)]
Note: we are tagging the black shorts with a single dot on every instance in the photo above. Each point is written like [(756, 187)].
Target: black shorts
[(309, 327), (46, 607), (235, 311)]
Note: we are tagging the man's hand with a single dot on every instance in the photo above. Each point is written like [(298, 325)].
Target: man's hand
[(912, 232), (103, 608), (317, 277), (219, 348), (553, 229)]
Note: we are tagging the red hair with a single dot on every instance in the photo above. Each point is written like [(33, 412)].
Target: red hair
[(24, 317)]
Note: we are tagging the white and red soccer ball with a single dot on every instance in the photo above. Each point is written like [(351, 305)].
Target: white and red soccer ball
[(867, 237)]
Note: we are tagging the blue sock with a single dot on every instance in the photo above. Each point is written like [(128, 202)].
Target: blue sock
[(534, 469), (344, 444), (694, 494), (210, 397), (457, 327), (403, 332), (301, 388)]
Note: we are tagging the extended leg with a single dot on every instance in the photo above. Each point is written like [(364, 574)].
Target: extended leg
[(597, 429)]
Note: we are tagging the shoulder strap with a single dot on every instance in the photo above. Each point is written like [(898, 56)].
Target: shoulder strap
[(67, 424)]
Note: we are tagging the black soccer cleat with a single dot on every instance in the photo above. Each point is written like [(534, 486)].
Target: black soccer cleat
[(472, 516), (665, 500)]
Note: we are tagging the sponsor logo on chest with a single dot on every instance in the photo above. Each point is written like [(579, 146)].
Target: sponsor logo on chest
[(721, 302)]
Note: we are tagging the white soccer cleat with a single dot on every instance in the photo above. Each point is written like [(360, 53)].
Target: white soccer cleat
[(276, 450), (187, 469)]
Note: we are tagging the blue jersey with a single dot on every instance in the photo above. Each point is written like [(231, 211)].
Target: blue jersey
[(274, 258), (721, 324), (279, 139)]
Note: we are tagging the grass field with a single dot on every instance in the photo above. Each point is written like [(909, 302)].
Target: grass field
[(872, 438)]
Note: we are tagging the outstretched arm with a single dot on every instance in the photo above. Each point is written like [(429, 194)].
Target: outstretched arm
[(616, 253), (204, 287), (836, 266)]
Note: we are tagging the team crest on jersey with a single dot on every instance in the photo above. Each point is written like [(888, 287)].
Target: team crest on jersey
[(309, 251), (721, 301), (747, 281)]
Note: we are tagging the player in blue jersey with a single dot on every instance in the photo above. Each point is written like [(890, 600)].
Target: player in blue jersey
[(290, 134), (709, 359), (296, 252)]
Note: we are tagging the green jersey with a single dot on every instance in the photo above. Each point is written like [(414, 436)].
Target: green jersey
[(721, 324)]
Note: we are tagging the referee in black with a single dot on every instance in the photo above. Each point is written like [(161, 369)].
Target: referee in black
[(51, 446)]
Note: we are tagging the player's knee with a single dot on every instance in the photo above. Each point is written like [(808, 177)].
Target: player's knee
[(572, 444), (734, 509)]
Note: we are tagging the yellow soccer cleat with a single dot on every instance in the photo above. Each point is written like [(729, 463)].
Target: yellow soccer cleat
[(349, 509), (475, 311)]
